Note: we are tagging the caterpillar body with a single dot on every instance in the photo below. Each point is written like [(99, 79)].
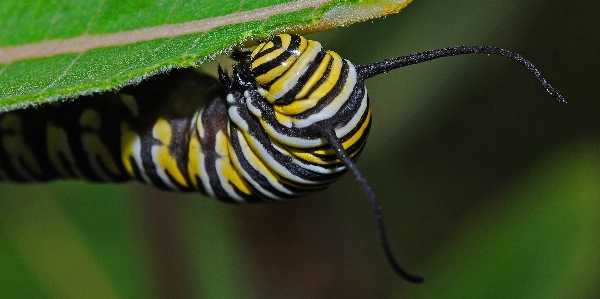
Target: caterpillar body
[(290, 119), (224, 142)]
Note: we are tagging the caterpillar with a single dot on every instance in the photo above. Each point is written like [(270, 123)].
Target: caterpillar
[(289, 120)]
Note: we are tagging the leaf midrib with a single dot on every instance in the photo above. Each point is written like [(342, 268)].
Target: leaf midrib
[(87, 42)]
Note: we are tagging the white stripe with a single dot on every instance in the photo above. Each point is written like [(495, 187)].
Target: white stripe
[(246, 153), (280, 169), (219, 162), (225, 183), (130, 103), (334, 106), (299, 142), (137, 151), (290, 78), (273, 164), (315, 168), (204, 177)]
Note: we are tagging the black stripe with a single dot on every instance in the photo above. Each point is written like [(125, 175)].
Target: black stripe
[(277, 44), (330, 96), (289, 96), (5, 161), (254, 174), (257, 132), (323, 78), (295, 41), (146, 142), (350, 150), (136, 170), (268, 66), (279, 60), (66, 163)]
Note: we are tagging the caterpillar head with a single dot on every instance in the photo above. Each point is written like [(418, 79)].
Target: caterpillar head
[(308, 87), (305, 88), (294, 89)]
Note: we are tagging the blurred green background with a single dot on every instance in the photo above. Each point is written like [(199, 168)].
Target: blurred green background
[(489, 188)]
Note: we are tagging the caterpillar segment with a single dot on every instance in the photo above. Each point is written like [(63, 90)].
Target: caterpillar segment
[(146, 132)]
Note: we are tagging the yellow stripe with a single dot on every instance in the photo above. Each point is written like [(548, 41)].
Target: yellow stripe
[(256, 160), (275, 72), (15, 145), (302, 103), (128, 138), (279, 70), (130, 103), (90, 119), (315, 156), (286, 40), (56, 144), (93, 145), (194, 159), (289, 79), (258, 49), (314, 78), (229, 173), (166, 162), (332, 79)]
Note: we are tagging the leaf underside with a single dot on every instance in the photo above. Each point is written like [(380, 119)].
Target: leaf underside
[(52, 50)]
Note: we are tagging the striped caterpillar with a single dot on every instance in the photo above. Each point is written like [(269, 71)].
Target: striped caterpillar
[(290, 119)]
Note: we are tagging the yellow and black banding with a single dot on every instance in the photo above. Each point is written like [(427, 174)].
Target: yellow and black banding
[(246, 137), (299, 86)]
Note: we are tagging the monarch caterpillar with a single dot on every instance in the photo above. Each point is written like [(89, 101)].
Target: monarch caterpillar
[(290, 119)]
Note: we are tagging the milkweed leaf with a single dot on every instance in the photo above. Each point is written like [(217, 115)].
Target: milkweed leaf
[(53, 50)]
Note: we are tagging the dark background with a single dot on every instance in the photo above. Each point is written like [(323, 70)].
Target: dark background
[(490, 189)]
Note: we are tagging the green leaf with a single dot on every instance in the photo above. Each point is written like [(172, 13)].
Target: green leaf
[(51, 50)]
